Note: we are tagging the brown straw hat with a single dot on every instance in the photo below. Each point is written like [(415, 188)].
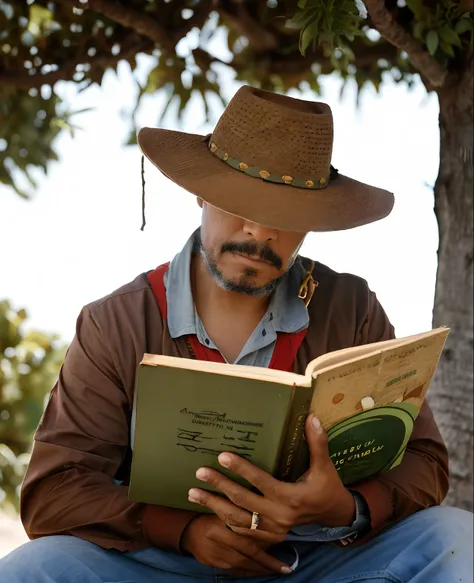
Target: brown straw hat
[(269, 161)]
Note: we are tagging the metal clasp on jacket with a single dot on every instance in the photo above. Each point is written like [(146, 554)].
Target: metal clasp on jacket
[(308, 285)]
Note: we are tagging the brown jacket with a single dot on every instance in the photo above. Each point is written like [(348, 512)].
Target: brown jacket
[(82, 442)]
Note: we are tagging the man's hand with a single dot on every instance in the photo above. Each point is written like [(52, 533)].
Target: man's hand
[(318, 497), (211, 543)]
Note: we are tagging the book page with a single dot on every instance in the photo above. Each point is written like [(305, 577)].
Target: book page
[(233, 370), (400, 374), (333, 359)]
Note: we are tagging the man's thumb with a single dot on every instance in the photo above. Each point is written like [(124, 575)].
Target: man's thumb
[(317, 441)]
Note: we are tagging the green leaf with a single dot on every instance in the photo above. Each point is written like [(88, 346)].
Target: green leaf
[(185, 96), (132, 138), (31, 180), (172, 93), (463, 25), (448, 35), (83, 110), (157, 78), (432, 42), (38, 17), (232, 36), (416, 6), (308, 34), (21, 193), (447, 49), (306, 17), (418, 29), (151, 7)]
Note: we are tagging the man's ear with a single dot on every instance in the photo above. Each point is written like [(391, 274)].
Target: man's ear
[(199, 201)]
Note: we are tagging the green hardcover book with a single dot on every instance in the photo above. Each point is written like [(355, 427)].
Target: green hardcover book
[(188, 411)]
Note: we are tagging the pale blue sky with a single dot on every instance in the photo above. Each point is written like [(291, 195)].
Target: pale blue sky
[(79, 238)]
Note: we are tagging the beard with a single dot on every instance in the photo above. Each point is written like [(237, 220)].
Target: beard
[(243, 284)]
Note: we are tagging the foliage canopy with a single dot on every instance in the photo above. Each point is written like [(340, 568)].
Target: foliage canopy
[(273, 44), (29, 365)]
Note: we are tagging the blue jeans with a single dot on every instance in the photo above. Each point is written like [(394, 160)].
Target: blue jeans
[(432, 546)]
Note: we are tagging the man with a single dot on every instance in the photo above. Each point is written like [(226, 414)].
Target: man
[(237, 292)]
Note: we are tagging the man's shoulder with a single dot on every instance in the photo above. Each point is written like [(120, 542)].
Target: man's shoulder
[(127, 297), (346, 310)]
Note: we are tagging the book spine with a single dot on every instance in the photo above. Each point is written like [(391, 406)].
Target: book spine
[(293, 441), (301, 462)]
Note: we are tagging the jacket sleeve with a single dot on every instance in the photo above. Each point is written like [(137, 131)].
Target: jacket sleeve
[(421, 480), (80, 444)]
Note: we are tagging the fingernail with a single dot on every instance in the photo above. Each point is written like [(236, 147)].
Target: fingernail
[(286, 570), (193, 496), (316, 422), (202, 474), (224, 460)]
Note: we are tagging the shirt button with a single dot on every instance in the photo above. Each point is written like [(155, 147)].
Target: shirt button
[(207, 341), (264, 332)]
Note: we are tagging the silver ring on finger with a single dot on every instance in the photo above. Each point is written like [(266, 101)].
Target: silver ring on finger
[(255, 521)]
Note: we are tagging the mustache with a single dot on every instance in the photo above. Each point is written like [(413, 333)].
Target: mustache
[(263, 252)]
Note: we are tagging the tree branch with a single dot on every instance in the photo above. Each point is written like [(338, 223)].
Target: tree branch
[(129, 18), (291, 64), (366, 57), (67, 69), (198, 19), (395, 34), (260, 38)]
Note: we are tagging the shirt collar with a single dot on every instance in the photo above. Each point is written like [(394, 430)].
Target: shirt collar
[(286, 311)]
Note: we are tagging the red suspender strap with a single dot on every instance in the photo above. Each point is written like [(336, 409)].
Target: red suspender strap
[(157, 284), (286, 346), (203, 352), (156, 281), (286, 349)]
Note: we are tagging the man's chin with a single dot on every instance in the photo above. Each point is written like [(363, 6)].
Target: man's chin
[(247, 281), (247, 285)]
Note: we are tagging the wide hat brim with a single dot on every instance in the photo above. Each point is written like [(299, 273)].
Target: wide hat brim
[(185, 159)]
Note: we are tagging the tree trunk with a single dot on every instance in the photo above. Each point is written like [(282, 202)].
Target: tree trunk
[(451, 394)]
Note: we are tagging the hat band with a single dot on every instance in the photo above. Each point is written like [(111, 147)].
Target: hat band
[(312, 183)]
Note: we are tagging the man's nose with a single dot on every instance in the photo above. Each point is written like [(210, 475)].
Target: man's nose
[(260, 233)]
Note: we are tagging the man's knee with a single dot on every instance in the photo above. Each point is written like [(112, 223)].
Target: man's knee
[(446, 521), (51, 559), (434, 545)]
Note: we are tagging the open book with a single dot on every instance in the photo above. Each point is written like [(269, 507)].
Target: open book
[(188, 411)]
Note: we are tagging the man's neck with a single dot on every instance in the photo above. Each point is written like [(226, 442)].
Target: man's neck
[(229, 318)]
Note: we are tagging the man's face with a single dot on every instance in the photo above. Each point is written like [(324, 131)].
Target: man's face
[(243, 256)]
